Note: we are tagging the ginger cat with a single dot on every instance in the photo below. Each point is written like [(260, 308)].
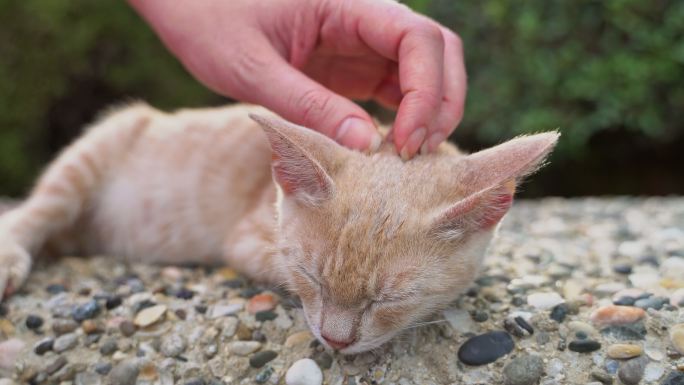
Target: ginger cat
[(369, 242)]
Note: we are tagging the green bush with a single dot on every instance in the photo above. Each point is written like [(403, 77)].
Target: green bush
[(583, 66)]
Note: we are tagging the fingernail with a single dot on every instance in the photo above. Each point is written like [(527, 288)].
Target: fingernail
[(356, 133), (434, 141), (415, 140), (376, 141)]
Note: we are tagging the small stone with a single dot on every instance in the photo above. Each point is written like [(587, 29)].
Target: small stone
[(304, 372), (514, 328), (628, 332), (228, 326), (631, 372), (559, 312), (265, 315), (543, 301), (102, 368), (653, 372), (34, 322), (524, 370), (244, 348), (677, 298), (656, 303), (258, 335), (227, 273), (244, 333), (485, 348), (43, 346), (579, 326), (65, 342), (184, 293), (86, 311), (124, 373), (298, 338), (195, 381), (480, 316), (602, 377), (55, 288), (624, 301), (108, 347), (261, 302), (617, 315), (172, 273), (56, 364), (460, 320), (584, 346), (622, 269), (172, 345), (149, 316), (264, 375), (677, 337), (674, 378), (127, 328), (219, 310), (624, 351), (91, 327), (63, 326), (323, 359), (113, 302), (262, 358)]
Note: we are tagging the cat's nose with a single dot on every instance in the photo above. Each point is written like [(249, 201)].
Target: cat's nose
[(337, 344)]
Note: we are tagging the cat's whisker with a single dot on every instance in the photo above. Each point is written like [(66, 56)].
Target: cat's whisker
[(421, 324)]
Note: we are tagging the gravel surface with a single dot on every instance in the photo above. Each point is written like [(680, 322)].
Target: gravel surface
[(584, 291)]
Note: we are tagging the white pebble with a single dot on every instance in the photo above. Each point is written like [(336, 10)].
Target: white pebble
[(653, 372), (218, 311), (544, 301), (304, 372)]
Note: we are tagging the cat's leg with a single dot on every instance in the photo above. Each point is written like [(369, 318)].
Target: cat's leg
[(65, 191)]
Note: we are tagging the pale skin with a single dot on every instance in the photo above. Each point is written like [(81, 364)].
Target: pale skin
[(307, 59)]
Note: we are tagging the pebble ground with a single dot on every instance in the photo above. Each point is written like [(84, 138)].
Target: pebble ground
[(586, 291)]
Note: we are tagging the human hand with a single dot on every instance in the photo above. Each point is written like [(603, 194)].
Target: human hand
[(303, 59)]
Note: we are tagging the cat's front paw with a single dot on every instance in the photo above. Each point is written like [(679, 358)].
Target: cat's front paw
[(15, 264)]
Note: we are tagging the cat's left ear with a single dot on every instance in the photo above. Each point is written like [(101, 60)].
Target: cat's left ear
[(490, 178), (301, 159)]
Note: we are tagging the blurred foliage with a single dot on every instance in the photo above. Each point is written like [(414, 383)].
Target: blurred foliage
[(607, 73), (583, 66), (61, 60)]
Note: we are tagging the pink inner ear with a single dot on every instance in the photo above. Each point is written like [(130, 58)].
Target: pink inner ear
[(482, 210)]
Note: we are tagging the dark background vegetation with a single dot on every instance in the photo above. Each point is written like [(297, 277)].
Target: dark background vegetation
[(608, 73)]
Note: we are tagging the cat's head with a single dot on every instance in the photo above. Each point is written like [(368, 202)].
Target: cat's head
[(373, 244)]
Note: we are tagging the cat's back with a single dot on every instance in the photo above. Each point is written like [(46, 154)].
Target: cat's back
[(188, 180)]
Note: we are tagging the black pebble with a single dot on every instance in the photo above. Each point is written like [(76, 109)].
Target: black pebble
[(559, 312), (184, 293), (3, 310), (584, 346), (479, 316), (266, 315), (34, 322), (113, 302), (43, 346), (201, 309), (623, 269), (262, 358), (518, 301), (625, 301), (86, 311), (581, 335), (55, 288), (194, 381), (143, 305), (524, 324), (103, 368), (108, 347), (485, 348)]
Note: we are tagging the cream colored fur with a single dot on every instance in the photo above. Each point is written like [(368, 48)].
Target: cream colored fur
[(371, 244)]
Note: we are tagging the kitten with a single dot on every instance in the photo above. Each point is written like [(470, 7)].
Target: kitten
[(369, 242)]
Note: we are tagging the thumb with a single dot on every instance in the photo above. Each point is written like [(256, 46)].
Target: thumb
[(296, 97)]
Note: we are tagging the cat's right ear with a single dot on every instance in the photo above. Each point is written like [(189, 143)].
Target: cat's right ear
[(300, 159)]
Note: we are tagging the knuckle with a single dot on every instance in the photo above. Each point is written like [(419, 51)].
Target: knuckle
[(428, 98), (311, 106)]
